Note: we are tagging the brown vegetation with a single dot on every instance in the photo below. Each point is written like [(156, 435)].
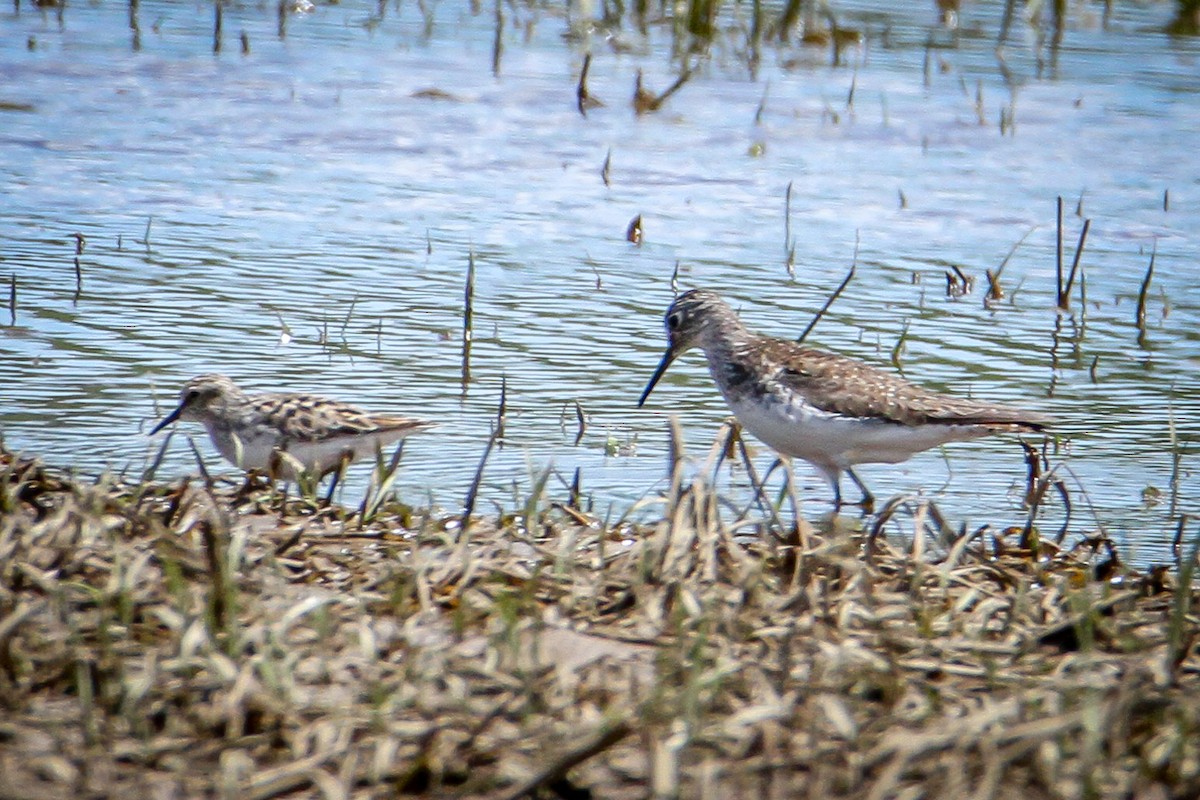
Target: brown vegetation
[(183, 640)]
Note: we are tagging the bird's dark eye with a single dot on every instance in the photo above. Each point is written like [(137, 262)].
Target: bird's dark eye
[(191, 397), (674, 320)]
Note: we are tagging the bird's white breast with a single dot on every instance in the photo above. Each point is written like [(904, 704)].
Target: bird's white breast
[(796, 428), (249, 448), (256, 448)]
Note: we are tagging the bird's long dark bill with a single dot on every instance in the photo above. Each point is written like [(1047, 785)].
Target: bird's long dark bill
[(667, 359), (174, 415)]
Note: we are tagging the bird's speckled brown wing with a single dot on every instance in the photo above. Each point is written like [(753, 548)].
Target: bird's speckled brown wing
[(847, 386), (310, 418)]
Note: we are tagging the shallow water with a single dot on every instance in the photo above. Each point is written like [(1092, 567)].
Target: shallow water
[(307, 187)]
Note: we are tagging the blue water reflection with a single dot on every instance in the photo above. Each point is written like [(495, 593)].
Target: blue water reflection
[(311, 212)]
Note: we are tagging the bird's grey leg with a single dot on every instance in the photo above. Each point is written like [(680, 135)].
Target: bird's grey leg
[(833, 476), (333, 484), (868, 499), (338, 473)]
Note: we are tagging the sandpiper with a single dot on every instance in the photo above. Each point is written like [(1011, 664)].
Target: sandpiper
[(829, 410), (285, 434)]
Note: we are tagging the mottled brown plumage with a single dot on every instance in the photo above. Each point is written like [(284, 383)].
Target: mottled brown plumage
[(853, 388), (830, 410)]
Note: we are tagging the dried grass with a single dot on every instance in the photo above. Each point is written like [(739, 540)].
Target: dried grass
[(179, 641)]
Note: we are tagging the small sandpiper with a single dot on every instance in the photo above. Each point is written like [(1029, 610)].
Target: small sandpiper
[(829, 410), (283, 434)]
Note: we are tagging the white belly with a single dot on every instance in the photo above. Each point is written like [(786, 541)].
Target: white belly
[(829, 440), (246, 451), (264, 452)]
